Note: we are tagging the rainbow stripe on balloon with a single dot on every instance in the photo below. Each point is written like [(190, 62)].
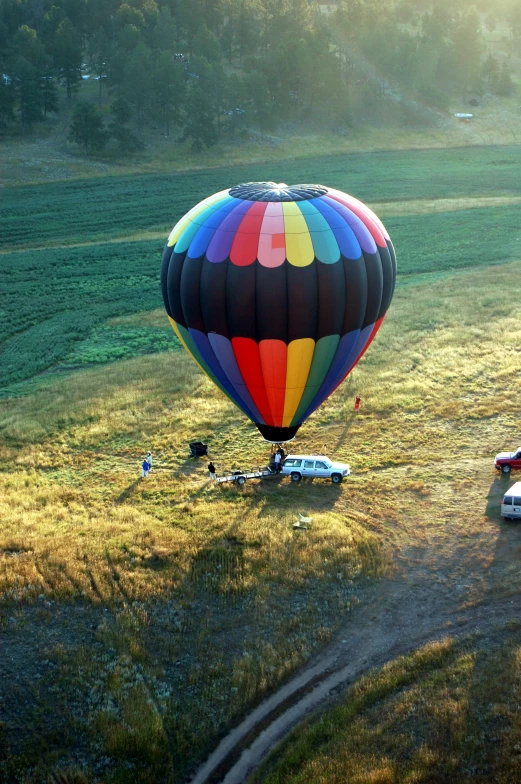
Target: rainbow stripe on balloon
[(276, 292)]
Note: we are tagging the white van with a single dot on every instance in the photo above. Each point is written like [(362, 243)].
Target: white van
[(511, 503)]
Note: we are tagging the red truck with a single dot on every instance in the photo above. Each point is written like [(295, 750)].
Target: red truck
[(508, 461)]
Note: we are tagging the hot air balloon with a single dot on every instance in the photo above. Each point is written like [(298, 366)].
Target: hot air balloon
[(276, 292)]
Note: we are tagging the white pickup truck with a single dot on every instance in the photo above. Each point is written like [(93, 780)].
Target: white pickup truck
[(321, 466)]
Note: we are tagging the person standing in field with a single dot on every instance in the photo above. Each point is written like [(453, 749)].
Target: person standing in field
[(145, 468), (357, 403), (211, 469), (276, 461), (149, 460)]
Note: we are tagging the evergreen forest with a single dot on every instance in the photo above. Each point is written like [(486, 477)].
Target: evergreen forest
[(208, 70)]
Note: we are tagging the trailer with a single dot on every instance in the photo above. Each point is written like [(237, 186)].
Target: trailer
[(240, 477)]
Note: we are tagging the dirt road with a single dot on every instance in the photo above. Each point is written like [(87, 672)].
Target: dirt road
[(446, 582)]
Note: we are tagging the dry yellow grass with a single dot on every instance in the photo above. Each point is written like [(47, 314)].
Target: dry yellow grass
[(429, 206), (438, 385)]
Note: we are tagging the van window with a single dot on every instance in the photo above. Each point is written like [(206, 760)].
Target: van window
[(507, 500), (292, 463), (308, 463), (517, 501), (321, 465)]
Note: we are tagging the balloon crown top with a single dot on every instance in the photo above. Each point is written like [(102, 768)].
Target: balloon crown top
[(276, 191)]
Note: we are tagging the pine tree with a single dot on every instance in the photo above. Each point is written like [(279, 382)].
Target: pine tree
[(189, 18), (49, 93), (137, 86), (7, 101), (206, 44), (121, 111), (169, 89), (99, 51), (67, 55), (200, 122), (467, 46), (260, 100), (503, 84), (87, 127), (164, 33), (26, 81)]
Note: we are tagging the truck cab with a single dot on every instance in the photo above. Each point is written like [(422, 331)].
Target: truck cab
[(508, 461)]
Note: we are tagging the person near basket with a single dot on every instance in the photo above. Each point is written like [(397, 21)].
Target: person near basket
[(211, 469)]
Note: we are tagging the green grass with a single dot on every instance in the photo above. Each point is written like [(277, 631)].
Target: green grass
[(110, 207), (58, 299), (447, 712)]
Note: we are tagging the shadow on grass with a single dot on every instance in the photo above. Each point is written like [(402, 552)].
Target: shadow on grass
[(191, 497), (503, 572), (348, 424), (282, 497), (492, 680), (127, 492), (496, 492)]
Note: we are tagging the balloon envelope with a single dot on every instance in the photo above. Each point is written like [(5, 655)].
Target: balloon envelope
[(276, 292)]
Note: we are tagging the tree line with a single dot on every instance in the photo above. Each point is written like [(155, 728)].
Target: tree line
[(203, 69), (436, 53)]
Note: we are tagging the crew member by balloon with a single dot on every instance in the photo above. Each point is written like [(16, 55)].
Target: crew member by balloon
[(276, 292)]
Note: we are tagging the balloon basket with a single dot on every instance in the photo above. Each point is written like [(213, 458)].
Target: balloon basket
[(277, 435)]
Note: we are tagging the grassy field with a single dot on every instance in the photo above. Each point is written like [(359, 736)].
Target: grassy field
[(158, 612), (110, 232), (103, 208), (449, 712)]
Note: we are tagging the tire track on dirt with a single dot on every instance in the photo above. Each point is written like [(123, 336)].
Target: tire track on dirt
[(405, 621)]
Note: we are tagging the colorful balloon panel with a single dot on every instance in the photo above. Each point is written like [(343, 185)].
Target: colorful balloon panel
[(276, 292)]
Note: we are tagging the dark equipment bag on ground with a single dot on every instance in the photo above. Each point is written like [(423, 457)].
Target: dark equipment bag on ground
[(198, 449)]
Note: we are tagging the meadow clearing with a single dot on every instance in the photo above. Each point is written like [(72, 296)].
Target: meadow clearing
[(151, 616)]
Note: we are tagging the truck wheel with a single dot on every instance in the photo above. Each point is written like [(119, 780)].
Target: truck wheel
[(295, 477), (241, 480), (506, 468), (336, 478)]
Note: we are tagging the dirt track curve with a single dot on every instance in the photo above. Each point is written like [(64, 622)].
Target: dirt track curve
[(458, 589)]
